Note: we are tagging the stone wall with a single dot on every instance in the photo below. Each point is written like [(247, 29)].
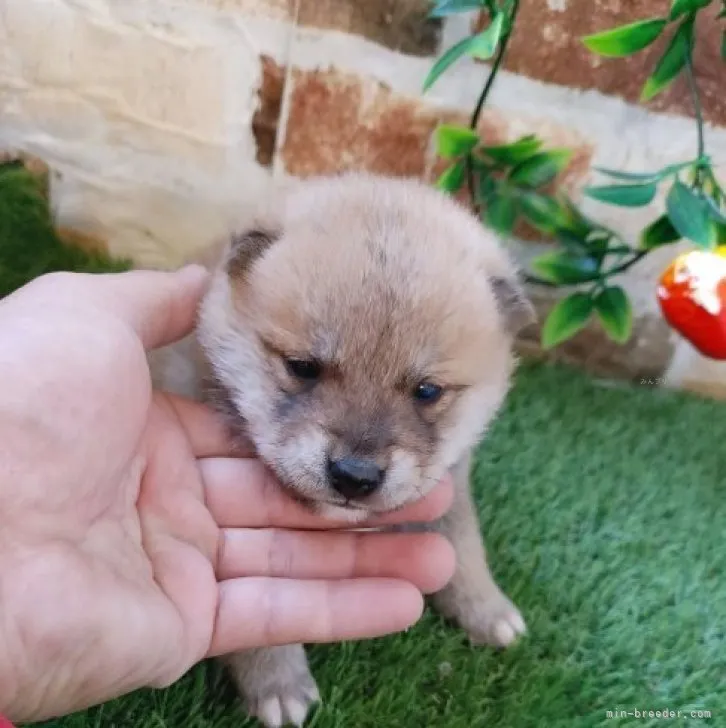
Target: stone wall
[(156, 118)]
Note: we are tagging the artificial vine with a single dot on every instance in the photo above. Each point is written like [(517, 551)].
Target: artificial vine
[(506, 181)]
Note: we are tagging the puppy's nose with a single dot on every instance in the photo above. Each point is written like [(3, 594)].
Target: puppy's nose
[(354, 477)]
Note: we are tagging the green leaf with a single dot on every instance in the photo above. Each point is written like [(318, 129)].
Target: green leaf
[(615, 313), (626, 39), (571, 219), (723, 44), (566, 318), (485, 43), (501, 212), (643, 176), (541, 168), (453, 177), (671, 63), (515, 152), (720, 233), (482, 46), (486, 184), (690, 215), (623, 195), (565, 267), (598, 246), (447, 59), (572, 242), (659, 232), (712, 190), (454, 141), (681, 7), (544, 213), (451, 7), (714, 210)]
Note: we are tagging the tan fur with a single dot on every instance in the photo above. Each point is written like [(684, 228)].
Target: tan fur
[(386, 283)]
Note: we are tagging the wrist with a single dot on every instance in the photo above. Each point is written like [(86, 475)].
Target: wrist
[(31, 638), (10, 661)]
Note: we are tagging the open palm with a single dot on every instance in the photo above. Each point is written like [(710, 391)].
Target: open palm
[(133, 544)]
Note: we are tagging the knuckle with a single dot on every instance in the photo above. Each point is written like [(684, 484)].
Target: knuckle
[(281, 554)]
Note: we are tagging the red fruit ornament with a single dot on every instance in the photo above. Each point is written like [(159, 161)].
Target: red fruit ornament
[(692, 297)]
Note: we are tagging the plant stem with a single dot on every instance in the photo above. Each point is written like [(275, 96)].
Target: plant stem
[(498, 60), (698, 109), (533, 280), (595, 277), (624, 266)]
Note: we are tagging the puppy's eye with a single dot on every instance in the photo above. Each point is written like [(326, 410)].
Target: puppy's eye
[(305, 369), (427, 392)]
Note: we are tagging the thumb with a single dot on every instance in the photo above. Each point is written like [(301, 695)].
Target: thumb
[(160, 306)]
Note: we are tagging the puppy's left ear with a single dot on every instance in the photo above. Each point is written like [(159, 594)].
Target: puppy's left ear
[(514, 306)]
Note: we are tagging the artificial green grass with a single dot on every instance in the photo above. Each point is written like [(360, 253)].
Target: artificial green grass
[(29, 246), (605, 514)]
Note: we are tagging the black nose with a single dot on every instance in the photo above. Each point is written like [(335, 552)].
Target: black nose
[(353, 477)]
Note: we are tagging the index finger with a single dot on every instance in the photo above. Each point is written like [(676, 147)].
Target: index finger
[(243, 493)]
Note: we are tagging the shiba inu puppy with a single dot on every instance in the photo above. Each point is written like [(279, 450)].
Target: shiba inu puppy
[(358, 334)]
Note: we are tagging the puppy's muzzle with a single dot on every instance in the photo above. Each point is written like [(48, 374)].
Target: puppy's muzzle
[(354, 477)]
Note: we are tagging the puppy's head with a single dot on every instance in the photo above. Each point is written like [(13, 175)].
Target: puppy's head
[(363, 334)]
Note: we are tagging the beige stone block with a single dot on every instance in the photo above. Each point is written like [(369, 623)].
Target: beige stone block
[(696, 373), (37, 42), (176, 84), (60, 114), (275, 9), (150, 75), (128, 141), (711, 390), (152, 224)]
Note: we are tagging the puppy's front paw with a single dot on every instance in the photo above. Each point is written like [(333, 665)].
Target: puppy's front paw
[(276, 684), (286, 704), (494, 621)]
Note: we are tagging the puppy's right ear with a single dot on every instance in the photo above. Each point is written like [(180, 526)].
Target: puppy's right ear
[(247, 247)]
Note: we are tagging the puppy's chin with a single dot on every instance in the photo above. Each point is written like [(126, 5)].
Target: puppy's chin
[(341, 514)]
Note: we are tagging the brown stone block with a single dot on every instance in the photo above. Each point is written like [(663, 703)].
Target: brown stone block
[(266, 119), (546, 45), (645, 356), (340, 121), (401, 25)]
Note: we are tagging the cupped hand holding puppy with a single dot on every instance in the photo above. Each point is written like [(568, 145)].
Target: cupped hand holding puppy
[(132, 545)]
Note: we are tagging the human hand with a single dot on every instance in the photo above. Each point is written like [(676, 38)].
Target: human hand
[(131, 544)]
